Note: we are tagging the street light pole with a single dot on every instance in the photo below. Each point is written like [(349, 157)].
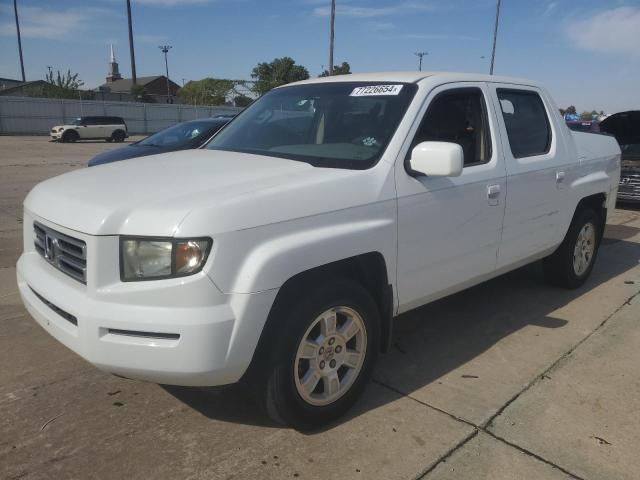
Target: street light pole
[(495, 38), (134, 79), (165, 49), (15, 10), (421, 54), (331, 35)]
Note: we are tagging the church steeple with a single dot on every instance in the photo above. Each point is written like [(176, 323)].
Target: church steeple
[(114, 74)]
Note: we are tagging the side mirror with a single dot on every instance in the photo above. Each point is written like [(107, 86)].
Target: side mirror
[(437, 159)]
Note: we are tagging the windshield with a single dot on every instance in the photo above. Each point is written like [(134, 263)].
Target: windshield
[(77, 121), (341, 125), (180, 135)]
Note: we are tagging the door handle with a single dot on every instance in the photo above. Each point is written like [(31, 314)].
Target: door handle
[(560, 176), (493, 194)]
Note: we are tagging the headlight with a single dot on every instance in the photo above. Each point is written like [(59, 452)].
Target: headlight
[(61, 129), (154, 259)]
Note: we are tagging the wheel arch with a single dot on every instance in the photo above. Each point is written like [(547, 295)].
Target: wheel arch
[(368, 269), (596, 202)]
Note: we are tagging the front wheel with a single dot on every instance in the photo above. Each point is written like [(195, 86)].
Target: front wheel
[(571, 264), (324, 354), (70, 136), (118, 136)]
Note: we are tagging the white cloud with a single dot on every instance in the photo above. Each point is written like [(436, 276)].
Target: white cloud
[(371, 12), (614, 31), (36, 22), (550, 8)]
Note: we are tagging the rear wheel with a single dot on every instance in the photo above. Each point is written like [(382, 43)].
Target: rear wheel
[(118, 136), (571, 264), (323, 354), (70, 136)]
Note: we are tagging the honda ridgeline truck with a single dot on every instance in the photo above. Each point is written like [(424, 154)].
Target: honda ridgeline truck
[(280, 253)]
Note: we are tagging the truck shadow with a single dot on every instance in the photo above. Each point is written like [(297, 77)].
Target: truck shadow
[(434, 340)]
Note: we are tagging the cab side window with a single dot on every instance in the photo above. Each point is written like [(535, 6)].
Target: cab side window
[(526, 121), (459, 116)]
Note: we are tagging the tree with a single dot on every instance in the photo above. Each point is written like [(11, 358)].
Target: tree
[(278, 72), (208, 91), (343, 69), (571, 110), (66, 81), (139, 93), (242, 100)]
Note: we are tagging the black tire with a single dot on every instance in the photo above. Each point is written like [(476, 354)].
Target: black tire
[(70, 136), (559, 267), (118, 136), (295, 314)]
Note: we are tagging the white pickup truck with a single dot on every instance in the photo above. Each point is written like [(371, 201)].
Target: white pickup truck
[(280, 253)]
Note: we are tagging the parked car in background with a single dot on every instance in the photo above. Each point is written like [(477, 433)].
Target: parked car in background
[(183, 136), (111, 129), (282, 251), (591, 126), (625, 126)]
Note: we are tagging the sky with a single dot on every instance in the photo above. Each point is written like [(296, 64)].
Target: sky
[(586, 52)]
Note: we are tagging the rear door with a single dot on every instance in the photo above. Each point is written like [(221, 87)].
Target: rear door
[(536, 174), (449, 227)]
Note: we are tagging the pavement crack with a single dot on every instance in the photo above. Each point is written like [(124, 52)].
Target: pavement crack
[(447, 454), (531, 454), (486, 425), (545, 374), (421, 402)]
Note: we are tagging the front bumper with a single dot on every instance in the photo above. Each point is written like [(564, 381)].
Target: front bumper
[(55, 136), (177, 332)]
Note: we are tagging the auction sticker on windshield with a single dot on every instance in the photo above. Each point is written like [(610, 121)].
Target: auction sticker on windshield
[(373, 90)]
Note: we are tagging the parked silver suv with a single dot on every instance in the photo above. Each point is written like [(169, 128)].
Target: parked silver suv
[(111, 129)]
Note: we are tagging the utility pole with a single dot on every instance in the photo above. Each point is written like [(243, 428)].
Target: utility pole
[(331, 35), (420, 54), (134, 79), (495, 38), (165, 49), (15, 10)]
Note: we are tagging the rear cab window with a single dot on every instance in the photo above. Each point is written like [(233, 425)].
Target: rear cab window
[(526, 121)]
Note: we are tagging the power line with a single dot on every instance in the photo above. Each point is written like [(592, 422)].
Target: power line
[(165, 49), (15, 9), (331, 35), (134, 79), (421, 54), (495, 38)]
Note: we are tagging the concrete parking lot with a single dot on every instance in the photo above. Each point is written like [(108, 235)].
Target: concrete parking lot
[(511, 379)]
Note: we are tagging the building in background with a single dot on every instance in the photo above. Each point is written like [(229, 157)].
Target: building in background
[(118, 88)]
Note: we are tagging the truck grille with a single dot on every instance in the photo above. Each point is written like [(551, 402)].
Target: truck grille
[(629, 186), (67, 254)]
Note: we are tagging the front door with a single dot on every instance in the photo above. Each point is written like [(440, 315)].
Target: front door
[(449, 227)]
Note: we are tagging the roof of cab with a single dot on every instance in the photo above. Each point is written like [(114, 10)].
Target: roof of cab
[(414, 77)]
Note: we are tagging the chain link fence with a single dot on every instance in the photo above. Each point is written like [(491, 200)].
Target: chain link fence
[(36, 116)]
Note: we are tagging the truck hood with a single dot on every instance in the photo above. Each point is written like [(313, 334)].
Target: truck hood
[(153, 195)]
